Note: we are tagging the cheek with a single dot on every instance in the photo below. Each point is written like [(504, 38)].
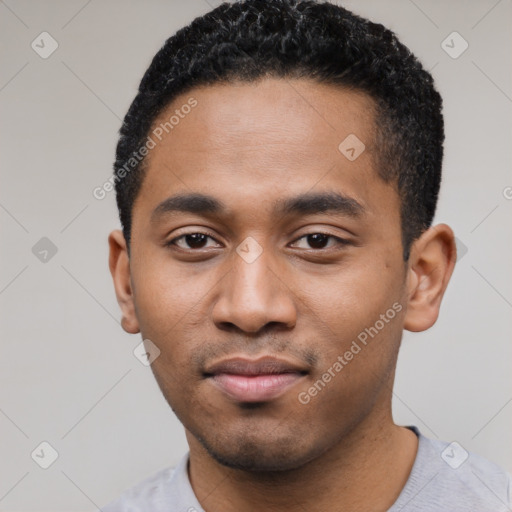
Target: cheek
[(362, 313), (169, 295), (354, 297)]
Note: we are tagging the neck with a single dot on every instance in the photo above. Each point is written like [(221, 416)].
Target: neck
[(366, 470)]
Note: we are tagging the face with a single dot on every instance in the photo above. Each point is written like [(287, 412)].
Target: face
[(266, 266)]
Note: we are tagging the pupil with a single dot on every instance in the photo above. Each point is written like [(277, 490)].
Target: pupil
[(317, 241), (196, 240)]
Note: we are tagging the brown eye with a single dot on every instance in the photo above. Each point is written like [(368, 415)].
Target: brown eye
[(196, 240), (319, 241), (191, 241)]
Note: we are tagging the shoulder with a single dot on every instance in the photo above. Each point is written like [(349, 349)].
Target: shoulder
[(446, 476), (466, 466), (152, 490), (168, 490)]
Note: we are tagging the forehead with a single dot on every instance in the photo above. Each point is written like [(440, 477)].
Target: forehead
[(264, 139), (299, 116)]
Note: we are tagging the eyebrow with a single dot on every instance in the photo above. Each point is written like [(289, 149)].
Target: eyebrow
[(303, 204), (188, 203), (323, 202)]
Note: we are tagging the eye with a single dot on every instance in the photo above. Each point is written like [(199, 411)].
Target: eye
[(191, 241), (319, 241)]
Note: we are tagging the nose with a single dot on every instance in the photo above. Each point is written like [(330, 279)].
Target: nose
[(253, 297)]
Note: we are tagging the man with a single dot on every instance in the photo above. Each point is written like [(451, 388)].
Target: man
[(277, 177)]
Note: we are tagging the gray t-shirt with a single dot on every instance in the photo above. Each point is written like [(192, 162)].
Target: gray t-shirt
[(444, 478)]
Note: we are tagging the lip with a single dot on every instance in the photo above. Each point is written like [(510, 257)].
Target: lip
[(254, 380)]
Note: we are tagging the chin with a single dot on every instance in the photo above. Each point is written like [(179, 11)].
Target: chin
[(259, 455)]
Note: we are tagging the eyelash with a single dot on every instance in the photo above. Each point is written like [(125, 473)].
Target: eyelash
[(340, 241)]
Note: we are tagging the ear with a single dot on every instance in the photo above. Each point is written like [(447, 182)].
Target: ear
[(119, 264), (430, 267)]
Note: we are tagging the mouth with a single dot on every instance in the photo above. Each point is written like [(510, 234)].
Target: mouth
[(254, 380)]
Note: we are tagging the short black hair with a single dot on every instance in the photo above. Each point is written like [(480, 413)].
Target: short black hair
[(253, 39)]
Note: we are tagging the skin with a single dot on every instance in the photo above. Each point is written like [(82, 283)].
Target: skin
[(249, 145)]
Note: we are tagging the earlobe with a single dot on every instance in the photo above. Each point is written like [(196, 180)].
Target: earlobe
[(119, 264), (431, 265)]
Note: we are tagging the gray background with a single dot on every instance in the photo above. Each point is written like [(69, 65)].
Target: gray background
[(68, 373)]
